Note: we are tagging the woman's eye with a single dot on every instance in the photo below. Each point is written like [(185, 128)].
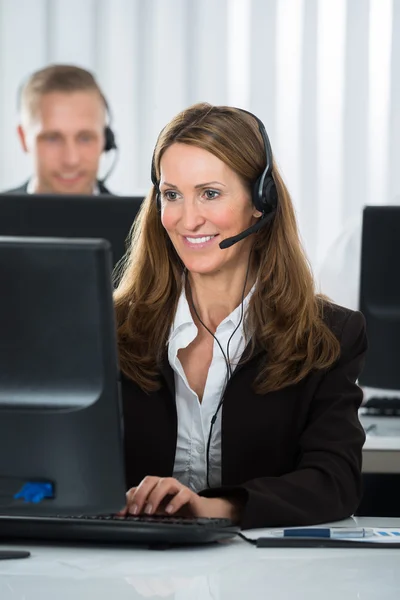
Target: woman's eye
[(211, 194), (170, 195)]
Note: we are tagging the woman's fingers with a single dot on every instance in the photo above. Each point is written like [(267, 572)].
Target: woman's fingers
[(167, 495), (124, 511), (159, 494), (155, 494), (170, 488), (137, 497), (181, 499)]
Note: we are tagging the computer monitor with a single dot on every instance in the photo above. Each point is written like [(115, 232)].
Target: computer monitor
[(60, 407), (101, 217), (62, 471), (380, 296)]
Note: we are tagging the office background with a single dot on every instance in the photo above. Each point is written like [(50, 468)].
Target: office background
[(323, 75)]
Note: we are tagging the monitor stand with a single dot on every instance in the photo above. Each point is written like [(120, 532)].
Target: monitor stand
[(6, 554)]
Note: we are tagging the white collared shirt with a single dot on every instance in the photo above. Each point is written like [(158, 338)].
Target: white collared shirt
[(194, 418), (30, 188)]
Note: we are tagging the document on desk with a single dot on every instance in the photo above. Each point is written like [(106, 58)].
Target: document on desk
[(386, 534), (341, 537)]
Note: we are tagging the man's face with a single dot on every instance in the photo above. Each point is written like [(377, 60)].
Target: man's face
[(66, 138)]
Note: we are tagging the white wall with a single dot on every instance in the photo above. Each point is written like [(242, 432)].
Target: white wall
[(323, 75)]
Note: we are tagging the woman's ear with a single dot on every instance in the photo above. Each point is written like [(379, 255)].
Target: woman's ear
[(256, 213)]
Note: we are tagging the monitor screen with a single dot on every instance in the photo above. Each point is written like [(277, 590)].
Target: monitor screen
[(380, 296), (61, 433), (102, 217)]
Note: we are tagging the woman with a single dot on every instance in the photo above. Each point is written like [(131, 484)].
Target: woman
[(238, 383)]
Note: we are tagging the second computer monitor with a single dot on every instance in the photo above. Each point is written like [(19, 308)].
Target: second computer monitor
[(380, 296), (60, 216)]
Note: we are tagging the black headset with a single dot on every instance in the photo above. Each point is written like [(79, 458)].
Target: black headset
[(109, 139), (109, 136), (263, 193), (154, 175), (109, 142)]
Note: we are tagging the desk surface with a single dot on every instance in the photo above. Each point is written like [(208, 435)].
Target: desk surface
[(231, 570)]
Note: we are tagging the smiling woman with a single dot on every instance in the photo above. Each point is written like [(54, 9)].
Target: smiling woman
[(206, 203), (239, 381)]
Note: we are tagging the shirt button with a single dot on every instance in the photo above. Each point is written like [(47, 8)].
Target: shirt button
[(200, 449)]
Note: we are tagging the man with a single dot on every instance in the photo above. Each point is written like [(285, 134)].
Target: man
[(63, 115)]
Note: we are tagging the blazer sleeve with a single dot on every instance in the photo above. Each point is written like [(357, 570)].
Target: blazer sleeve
[(326, 485)]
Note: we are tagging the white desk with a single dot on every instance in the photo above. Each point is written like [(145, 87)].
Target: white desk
[(232, 570)]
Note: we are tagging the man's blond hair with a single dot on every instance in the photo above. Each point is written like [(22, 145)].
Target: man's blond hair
[(55, 78)]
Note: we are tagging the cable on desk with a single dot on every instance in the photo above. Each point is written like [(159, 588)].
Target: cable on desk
[(247, 539)]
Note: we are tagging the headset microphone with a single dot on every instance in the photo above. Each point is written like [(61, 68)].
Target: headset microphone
[(228, 242)]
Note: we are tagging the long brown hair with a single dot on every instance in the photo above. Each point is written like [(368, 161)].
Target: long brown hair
[(284, 313)]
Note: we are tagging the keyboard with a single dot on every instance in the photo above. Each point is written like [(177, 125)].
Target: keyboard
[(149, 530), (382, 406)]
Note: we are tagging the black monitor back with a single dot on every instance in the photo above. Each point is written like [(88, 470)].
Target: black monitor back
[(101, 217), (380, 295), (60, 413)]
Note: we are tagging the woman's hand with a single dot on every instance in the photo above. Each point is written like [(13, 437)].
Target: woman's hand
[(167, 495)]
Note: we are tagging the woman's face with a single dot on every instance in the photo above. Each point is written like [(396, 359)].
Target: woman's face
[(203, 201)]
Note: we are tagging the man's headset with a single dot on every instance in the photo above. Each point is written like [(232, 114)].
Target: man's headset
[(109, 136), (263, 193), (109, 141)]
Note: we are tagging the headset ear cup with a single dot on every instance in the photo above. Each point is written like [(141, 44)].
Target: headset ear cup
[(158, 200), (270, 194), (109, 139), (257, 201), (267, 201)]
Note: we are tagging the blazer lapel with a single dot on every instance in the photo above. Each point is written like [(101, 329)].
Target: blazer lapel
[(102, 188), (168, 374), (247, 356)]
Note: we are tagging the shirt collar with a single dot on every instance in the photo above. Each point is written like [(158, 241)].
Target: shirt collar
[(239, 313), (30, 188), (183, 316)]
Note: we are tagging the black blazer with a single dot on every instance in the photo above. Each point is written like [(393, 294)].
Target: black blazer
[(23, 189), (293, 457)]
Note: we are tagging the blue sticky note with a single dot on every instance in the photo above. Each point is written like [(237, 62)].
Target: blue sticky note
[(35, 491)]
